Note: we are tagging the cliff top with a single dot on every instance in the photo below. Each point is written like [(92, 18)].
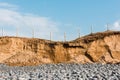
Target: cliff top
[(86, 39), (95, 36)]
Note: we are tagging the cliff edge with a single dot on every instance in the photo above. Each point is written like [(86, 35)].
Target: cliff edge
[(101, 47)]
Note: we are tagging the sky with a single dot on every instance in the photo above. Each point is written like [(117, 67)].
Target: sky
[(39, 18)]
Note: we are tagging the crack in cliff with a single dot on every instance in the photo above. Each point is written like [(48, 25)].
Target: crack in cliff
[(109, 51), (66, 45), (89, 56), (52, 50)]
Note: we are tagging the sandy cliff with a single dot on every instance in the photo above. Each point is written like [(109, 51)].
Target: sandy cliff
[(102, 47)]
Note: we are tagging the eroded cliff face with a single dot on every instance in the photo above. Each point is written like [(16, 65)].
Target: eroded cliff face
[(101, 47)]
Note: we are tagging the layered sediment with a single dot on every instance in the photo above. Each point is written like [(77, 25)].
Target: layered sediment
[(101, 47)]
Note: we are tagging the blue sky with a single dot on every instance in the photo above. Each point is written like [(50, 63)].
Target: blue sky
[(58, 16)]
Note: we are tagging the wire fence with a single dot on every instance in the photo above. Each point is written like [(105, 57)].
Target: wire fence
[(50, 36)]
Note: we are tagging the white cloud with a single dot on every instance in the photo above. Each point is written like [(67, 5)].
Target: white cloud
[(11, 19), (116, 25), (7, 5)]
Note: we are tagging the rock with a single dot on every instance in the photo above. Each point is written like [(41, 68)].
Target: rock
[(53, 72)]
